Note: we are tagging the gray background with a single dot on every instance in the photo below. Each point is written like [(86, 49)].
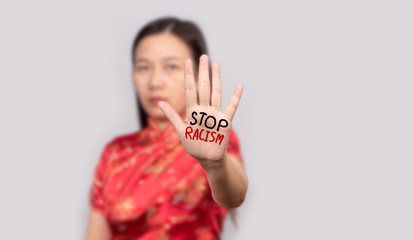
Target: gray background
[(325, 121)]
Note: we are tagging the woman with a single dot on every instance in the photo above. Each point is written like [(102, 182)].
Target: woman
[(176, 177)]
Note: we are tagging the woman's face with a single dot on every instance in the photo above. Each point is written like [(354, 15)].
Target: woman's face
[(158, 73)]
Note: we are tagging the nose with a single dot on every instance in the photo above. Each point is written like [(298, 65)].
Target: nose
[(157, 79)]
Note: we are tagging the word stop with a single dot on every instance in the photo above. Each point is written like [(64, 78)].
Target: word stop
[(210, 123)]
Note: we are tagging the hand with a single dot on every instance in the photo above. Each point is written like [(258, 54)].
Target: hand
[(205, 132)]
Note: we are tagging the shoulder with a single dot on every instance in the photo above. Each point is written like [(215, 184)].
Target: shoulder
[(122, 141), (118, 144), (124, 138)]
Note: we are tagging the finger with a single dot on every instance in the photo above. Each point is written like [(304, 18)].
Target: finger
[(233, 103), (172, 116), (203, 81), (190, 87), (216, 87)]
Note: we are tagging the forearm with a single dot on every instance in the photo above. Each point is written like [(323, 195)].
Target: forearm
[(98, 228), (228, 182)]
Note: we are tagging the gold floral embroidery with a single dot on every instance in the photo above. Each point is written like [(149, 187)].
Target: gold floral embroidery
[(149, 214), (154, 152), (161, 199), (204, 232), (177, 219), (124, 208)]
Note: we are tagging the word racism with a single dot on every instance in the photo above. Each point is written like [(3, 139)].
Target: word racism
[(210, 136)]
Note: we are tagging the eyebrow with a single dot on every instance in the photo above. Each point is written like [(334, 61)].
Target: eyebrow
[(163, 59)]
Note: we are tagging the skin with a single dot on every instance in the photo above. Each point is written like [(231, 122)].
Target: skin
[(159, 72), (163, 69)]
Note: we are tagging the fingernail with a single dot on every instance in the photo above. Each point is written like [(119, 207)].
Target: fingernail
[(204, 60), (187, 65), (215, 69)]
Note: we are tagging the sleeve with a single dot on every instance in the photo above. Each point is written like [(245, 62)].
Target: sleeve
[(234, 148), (96, 199)]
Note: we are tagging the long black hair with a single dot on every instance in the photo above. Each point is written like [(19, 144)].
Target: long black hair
[(186, 30)]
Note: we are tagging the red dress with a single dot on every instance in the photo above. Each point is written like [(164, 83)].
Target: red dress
[(148, 187)]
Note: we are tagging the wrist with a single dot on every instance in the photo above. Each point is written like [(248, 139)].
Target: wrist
[(216, 165)]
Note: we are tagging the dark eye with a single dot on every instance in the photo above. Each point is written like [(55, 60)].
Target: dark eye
[(172, 67), (142, 68)]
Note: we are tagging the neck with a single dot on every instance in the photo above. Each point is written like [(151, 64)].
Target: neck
[(162, 123)]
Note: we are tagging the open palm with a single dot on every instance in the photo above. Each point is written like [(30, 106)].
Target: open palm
[(205, 131)]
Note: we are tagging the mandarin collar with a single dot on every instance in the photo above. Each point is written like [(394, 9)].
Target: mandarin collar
[(156, 134)]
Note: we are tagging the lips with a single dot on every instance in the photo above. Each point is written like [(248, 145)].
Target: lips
[(156, 100)]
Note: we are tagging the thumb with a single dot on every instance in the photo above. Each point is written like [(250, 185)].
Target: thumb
[(172, 116)]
